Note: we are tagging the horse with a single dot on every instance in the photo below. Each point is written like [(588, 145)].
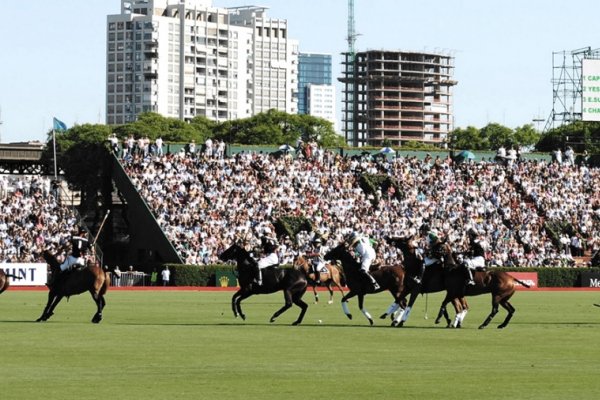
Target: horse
[(4, 282), (332, 276), (292, 282), (499, 284), (91, 278), (435, 279), (388, 277)]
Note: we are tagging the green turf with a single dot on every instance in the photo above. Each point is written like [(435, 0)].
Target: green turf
[(187, 345)]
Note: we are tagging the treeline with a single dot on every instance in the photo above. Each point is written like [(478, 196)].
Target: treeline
[(81, 150), (581, 136)]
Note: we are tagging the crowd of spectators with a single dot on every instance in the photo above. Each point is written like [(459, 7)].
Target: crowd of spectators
[(31, 218), (205, 201)]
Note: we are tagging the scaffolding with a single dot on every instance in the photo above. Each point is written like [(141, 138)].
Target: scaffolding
[(567, 85), (394, 97)]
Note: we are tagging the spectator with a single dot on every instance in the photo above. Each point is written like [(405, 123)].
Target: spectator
[(203, 203), (165, 275), (117, 275)]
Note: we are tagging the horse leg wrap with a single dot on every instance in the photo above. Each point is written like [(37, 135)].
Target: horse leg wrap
[(366, 314), (463, 314), (406, 314), (345, 307), (392, 308), (456, 320), (399, 316)]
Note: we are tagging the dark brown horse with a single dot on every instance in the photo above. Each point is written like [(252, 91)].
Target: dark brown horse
[(500, 284), (435, 279), (4, 281), (291, 281), (389, 278), (333, 276), (91, 278)]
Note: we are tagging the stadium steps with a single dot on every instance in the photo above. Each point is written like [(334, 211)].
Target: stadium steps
[(583, 261)]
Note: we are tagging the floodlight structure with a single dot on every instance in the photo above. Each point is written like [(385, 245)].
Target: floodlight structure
[(567, 85)]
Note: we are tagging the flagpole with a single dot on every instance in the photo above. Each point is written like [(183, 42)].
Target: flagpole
[(54, 146)]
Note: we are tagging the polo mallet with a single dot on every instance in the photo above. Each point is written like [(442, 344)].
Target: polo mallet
[(100, 229)]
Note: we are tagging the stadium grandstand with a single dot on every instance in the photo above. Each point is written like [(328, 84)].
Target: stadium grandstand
[(197, 203)]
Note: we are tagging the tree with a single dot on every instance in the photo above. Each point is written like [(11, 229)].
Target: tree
[(319, 130), (204, 127), (83, 155), (277, 127), (580, 135), (154, 125), (526, 135), (468, 138), (494, 136)]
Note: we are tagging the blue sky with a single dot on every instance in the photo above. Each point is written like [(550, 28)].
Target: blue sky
[(53, 52)]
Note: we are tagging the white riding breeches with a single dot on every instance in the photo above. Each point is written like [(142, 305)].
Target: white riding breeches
[(366, 262), (476, 262), (430, 261), (70, 261), (269, 260)]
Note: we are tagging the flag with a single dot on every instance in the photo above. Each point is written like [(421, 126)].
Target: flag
[(58, 125)]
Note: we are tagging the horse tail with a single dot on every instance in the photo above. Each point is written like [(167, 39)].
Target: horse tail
[(522, 283), (107, 282), (342, 275)]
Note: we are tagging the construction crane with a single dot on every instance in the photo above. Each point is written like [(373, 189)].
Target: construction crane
[(351, 38)]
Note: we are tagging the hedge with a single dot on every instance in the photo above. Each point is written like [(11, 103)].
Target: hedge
[(195, 275), (204, 275), (370, 183), (554, 277), (291, 225)]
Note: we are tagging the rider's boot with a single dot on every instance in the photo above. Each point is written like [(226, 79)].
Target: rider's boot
[(470, 281), (419, 277), (374, 282), (258, 279), (52, 279)]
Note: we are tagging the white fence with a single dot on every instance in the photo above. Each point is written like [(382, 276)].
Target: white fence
[(130, 279)]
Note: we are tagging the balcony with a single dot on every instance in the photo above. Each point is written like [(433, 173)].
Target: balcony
[(150, 54), (151, 74)]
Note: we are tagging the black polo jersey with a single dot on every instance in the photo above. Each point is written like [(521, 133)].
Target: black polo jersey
[(79, 245)]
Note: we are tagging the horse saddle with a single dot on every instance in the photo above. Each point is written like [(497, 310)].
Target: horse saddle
[(374, 267)]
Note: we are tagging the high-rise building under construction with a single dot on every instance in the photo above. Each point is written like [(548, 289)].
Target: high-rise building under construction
[(392, 97)]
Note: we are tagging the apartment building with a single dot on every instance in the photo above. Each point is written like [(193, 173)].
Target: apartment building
[(184, 58), (316, 94)]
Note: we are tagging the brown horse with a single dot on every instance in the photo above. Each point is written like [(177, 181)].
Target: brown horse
[(388, 277), (500, 284), (435, 279), (291, 281), (91, 278), (4, 281), (333, 276)]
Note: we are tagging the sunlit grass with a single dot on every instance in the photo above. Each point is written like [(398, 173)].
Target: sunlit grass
[(187, 345)]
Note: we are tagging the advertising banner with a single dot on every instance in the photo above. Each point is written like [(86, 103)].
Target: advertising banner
[(30, 274), (590, 96), (590, 279)]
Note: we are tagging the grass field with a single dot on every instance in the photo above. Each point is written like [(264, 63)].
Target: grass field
[(187, 345)]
